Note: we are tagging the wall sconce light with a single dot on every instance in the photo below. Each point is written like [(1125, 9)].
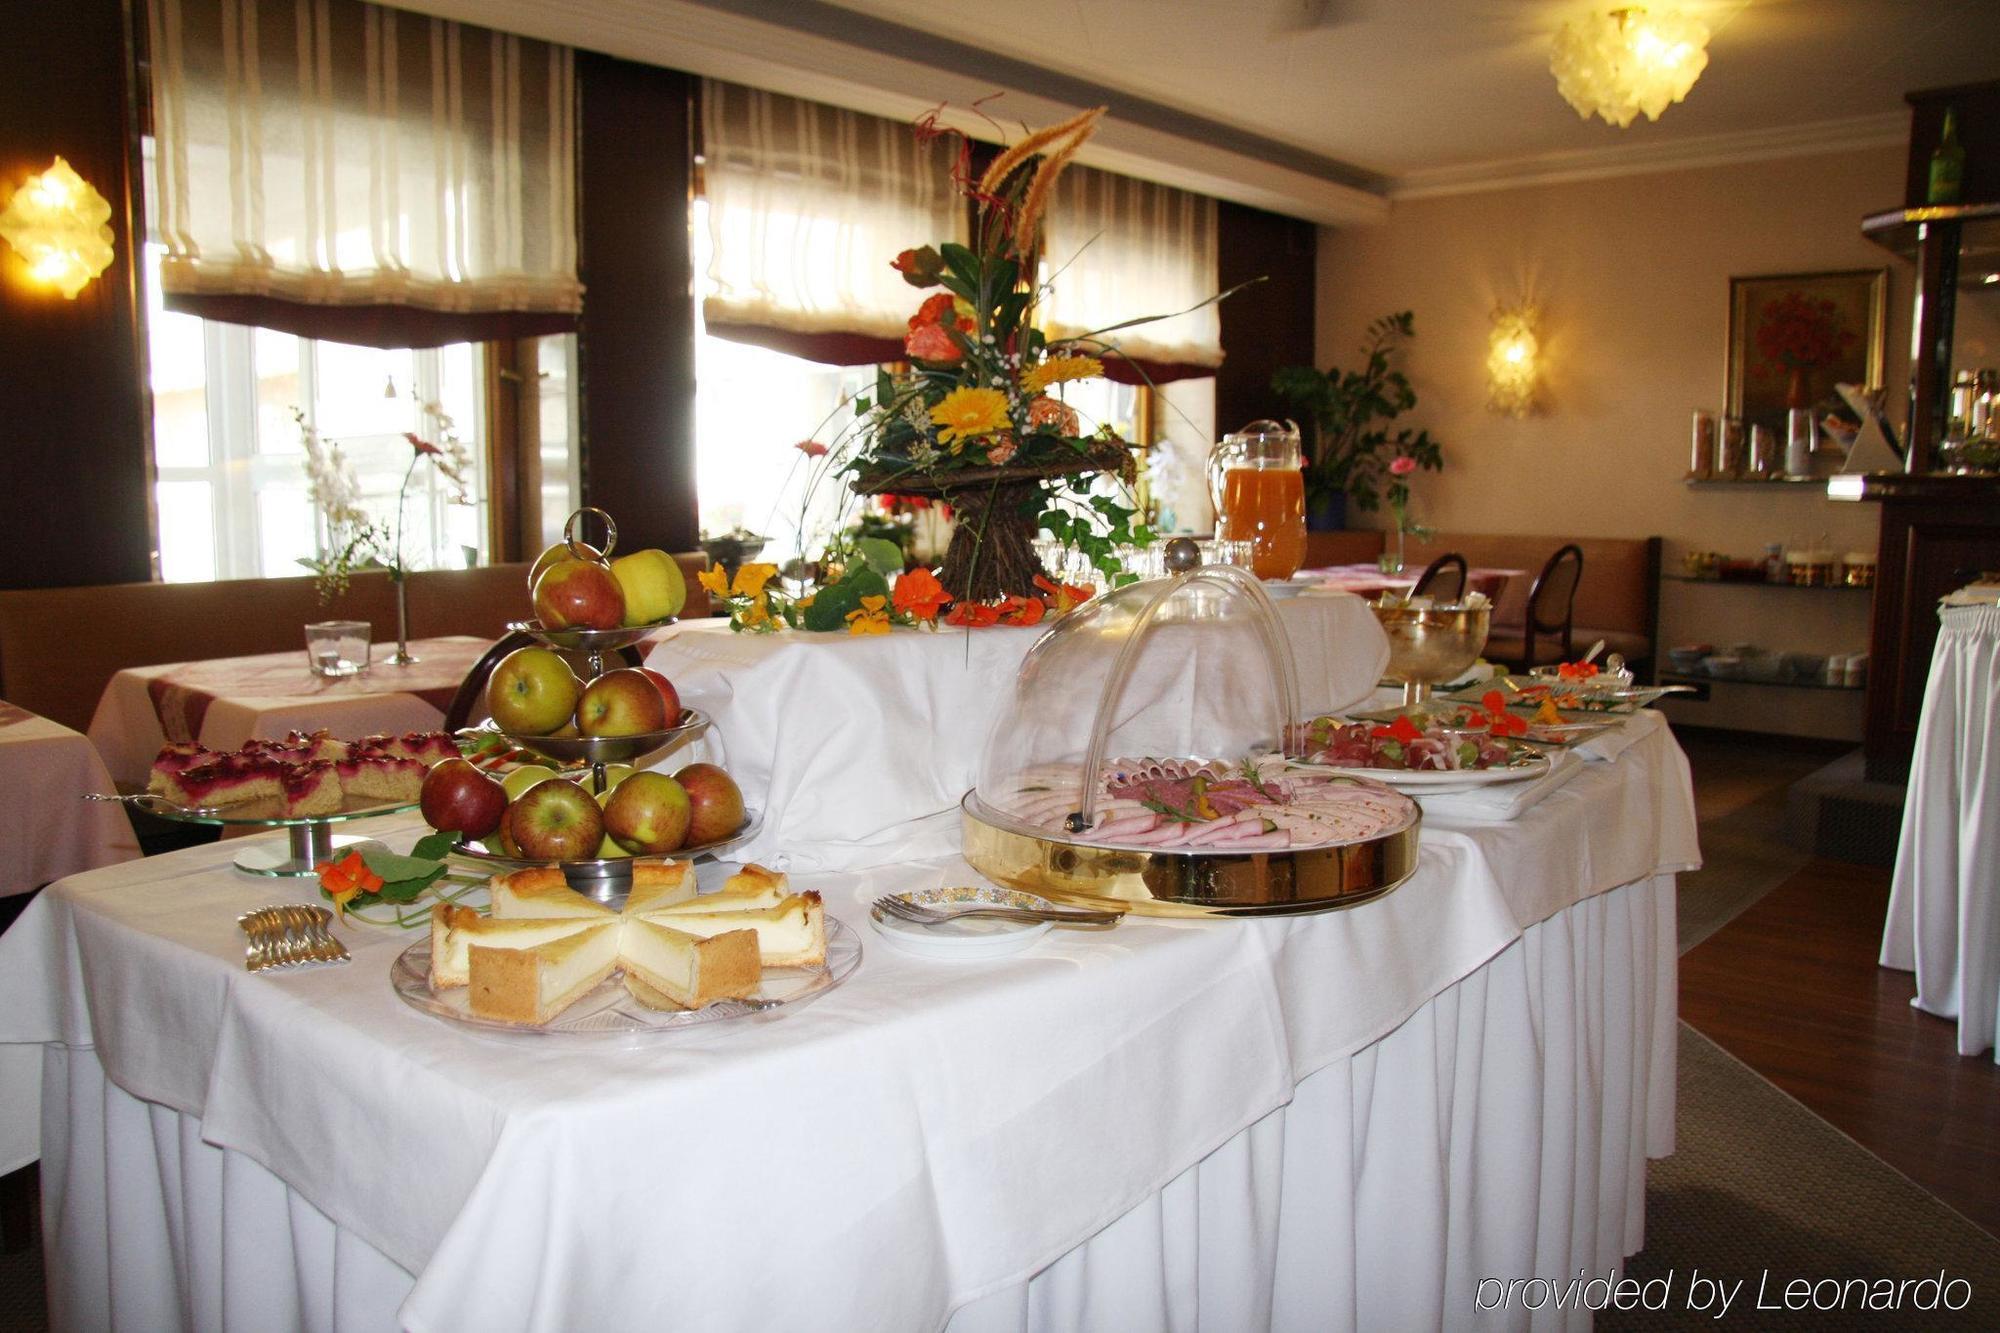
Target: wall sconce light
[(1513, 362), (1618, 64), (61, 227)]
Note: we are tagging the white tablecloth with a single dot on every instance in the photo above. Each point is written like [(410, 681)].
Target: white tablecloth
[(925, 1139), (864, 745), (226, 702), (1944, 903)]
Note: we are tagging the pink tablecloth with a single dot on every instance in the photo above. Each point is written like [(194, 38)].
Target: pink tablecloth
[(225, 702), (50, 831), (1370, 581)]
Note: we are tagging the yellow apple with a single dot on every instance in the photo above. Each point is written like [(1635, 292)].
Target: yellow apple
[(653, 585), (524, 777), (610, 847)]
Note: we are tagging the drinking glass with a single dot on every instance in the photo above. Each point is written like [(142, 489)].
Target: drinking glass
[(337, 647)]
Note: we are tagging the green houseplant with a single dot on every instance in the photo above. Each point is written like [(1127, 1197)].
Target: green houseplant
[(1350, 417)]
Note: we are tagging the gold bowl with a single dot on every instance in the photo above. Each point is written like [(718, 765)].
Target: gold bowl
[(1431, 645)]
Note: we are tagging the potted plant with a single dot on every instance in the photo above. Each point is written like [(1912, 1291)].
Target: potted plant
[(1350, 415)]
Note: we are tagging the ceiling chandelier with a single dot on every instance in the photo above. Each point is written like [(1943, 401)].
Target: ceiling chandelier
[(1617, 64)]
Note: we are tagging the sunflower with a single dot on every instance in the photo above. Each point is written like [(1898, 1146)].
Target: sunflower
[(965, 413), (1059, 370)]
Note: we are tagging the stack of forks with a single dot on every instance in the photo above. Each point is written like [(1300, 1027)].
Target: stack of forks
[(289, 935)]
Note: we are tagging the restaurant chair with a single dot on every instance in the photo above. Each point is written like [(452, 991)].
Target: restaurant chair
[(472, 690), (1443, 580), (1545, 636)]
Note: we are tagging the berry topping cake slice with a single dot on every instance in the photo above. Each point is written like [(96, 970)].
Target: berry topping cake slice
[(311, 788), (175, 759), (382, 777)]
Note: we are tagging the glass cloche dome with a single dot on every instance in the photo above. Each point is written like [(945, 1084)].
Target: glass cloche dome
[(1140, 757)]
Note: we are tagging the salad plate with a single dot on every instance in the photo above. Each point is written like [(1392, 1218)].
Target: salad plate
[(1438, 781), (1415, 752)]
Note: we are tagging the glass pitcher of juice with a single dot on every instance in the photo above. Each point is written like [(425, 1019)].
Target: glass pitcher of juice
[(1259, 490)]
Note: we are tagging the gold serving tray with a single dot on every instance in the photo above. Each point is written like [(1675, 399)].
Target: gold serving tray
[(1189, 884)]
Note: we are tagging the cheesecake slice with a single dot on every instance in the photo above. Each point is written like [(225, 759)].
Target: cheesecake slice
[(535, 983), (751, 889), (687, 969), (541, 891), (658, 884), (792, 934), (454, 930)]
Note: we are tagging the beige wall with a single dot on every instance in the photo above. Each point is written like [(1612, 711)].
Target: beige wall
[(1632, 279)]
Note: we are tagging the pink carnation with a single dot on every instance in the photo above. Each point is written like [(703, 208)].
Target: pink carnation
[(1047, 411), (1402, 465), (811, 448), (1000, 449)]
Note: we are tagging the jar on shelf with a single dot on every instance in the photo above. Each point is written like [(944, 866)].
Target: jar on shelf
[(1857, 569)]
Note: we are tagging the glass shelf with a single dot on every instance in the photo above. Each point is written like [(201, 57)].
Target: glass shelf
[(1751, 483), (1687, 678), (1898, 230), (1760, 583)]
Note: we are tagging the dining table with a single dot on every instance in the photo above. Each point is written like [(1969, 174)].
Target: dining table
[(223, 702), (1339, 1120), (1371, 580), (1944, 896), (50, 833)]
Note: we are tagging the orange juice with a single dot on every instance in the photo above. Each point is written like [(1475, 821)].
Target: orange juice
[(1267, 507)]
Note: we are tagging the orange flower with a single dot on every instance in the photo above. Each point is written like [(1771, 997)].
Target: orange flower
[(933, 310), (1061, 597), (973, 615), (929, 342), (1023, 611), (918, 593), (345, 878), (871, 617)]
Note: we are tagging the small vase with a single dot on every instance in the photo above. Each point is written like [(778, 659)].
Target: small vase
[(1795, 388), (402, 656), (1391, 562)]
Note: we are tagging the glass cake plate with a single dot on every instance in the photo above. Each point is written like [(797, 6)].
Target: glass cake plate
[(310, 841), (610, 1014)]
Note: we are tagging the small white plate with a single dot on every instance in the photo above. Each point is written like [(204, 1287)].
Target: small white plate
[(963, 941), (1437, 781), (1283, 588)]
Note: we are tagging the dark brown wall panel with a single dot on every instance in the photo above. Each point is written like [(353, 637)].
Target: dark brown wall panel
[(73, 425), (636, 341), (1266, 326)]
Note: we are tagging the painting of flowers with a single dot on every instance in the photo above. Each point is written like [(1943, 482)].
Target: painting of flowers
[(1793, 336)]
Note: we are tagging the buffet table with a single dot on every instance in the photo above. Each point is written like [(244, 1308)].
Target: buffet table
[(1335, 1121), (1944, 902), (227, 701), (50, 832)]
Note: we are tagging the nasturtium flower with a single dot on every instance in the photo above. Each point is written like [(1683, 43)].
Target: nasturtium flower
[(714, 579), (973, 615), (1402, 729), (346, 878), (1060, 370), (871, 617), (1061, 597), (750, 579), (968, 412), (918, 593), (1023, 611)]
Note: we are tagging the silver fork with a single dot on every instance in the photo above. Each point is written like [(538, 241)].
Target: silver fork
[(923, 915)]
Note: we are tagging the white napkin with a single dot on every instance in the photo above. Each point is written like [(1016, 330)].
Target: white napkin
[(1504, 800)]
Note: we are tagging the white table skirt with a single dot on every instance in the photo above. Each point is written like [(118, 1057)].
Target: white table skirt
[(1944, 902), (1502, 1130)]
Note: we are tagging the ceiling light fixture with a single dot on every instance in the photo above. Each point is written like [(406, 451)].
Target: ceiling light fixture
[(60, 226), (1618, 64)]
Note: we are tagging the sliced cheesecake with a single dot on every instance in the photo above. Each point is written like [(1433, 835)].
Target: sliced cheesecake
[(791, 934), (659, 884), (689, 970), (541, 891), (750, 889), (534, 984), (454, 930)]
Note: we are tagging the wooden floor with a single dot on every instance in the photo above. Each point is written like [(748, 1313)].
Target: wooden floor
[(1791, 988)]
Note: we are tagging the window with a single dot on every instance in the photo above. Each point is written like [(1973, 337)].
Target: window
[(231, 488)]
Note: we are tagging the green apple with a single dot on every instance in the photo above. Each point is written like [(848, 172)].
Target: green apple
[(610, 848), (524, 777), (648, 814), (532, 692), (613, 775), (653, 585)]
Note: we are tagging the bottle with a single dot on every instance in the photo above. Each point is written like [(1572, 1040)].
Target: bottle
[(1947, 163), (1774, 561)]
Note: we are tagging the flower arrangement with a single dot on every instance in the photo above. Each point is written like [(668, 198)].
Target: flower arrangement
[(1798, 333), (977, 419), (1351, 412), (356, 539)]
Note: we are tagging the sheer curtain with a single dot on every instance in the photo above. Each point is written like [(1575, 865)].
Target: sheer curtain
[(807, 204), (1114, 249), (342, 170)]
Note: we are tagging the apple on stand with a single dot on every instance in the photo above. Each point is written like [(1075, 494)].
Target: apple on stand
[(648, 814), (715, 803), (457, 798), (532, 692), (526, 776), (613, 775), (621, 703), (559, 552), (556, 821), (577, 594), (502, 840), (653, 585), (668, 694)]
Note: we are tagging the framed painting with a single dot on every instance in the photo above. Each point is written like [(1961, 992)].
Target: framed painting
[(1793, 336)]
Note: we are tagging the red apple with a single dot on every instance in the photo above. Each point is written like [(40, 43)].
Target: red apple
[(647, 814), (577, 594), (716, 802), (502, 840), (667, 692), (557, 821), (458, 798), (561, 551), (621, 703)]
